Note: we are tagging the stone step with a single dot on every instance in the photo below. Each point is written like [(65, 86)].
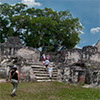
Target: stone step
[(43, 69), (37, 67), (45, 80), (41, 73), (41, 77), (45, 75), (38, 71)]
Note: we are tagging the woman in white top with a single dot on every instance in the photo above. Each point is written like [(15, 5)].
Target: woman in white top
[(46, 63), (50, 69)]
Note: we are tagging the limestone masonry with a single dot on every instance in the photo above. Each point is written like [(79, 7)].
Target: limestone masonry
[(74, 65)]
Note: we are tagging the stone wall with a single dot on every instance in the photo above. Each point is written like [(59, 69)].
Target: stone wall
[(31, 56), (81, 65), (72, 56), (13, 52), (73, 65), (98, 45), (87, 53), (79, 74), (10, 46)]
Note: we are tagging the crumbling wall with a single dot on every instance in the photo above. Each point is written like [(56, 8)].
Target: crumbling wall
[(72, 56), (95, 57), (83, 65), (98, 45), (13, 52), (87, 53), (72, 64), (10, 46)]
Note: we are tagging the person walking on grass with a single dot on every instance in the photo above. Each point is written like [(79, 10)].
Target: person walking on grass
[(14, 79)]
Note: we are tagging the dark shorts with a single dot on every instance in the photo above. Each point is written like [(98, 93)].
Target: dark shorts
[(46, 66)]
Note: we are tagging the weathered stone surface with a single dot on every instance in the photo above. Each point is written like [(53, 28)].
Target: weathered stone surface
[(98, 45), (72, 64), (13, 52), (29, 55), (3, 73), (10, 46), (27, 74)]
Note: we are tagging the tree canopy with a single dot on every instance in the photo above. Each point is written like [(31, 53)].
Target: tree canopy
[(39, 28)]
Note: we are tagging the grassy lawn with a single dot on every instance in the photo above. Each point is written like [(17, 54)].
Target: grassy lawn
[(48, 91)]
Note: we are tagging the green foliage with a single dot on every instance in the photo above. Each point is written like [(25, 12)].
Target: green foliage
[(91, 66), (48, 91), (40, 28), (1, 60)]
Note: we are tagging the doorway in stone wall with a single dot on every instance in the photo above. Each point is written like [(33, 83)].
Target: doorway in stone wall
[(81, 76), (87, 78)]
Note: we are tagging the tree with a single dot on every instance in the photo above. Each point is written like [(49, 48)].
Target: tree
[(3, 28), (8, 15), (42, 32), (40, 28)]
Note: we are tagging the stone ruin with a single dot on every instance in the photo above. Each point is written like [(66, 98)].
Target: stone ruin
[(74, 65), (13, 52), (11, 46), (81, 65), (98, 45), (78, 65)]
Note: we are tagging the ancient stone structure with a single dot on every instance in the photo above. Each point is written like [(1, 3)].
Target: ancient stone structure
[(13, 52), (74, 65), (98, 45), (10, 46), (81, 64)]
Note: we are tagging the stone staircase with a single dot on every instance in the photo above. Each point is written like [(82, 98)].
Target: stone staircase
[(43, 75)]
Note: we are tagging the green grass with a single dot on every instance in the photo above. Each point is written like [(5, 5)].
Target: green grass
[(48, 91)]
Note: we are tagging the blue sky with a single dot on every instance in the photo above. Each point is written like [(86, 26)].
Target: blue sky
[(88, 12)]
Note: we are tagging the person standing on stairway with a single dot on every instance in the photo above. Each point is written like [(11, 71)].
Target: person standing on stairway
[(48, 56), (47, 63), (50, 69), (43, 58)]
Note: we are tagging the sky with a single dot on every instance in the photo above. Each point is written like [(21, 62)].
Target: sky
[(88, 12)]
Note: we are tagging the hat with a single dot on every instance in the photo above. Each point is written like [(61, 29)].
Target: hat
[(15, 66)]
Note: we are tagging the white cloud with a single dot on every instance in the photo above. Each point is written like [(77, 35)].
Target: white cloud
[(31, 3), (0, 2), (95, 30)]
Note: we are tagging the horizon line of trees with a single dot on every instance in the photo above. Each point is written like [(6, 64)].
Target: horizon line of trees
[(39, 28)]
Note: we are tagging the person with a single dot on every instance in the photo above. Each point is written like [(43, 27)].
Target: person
[(46, 63), (50, 69), (43, 58), (47, 56), (14, 79)]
